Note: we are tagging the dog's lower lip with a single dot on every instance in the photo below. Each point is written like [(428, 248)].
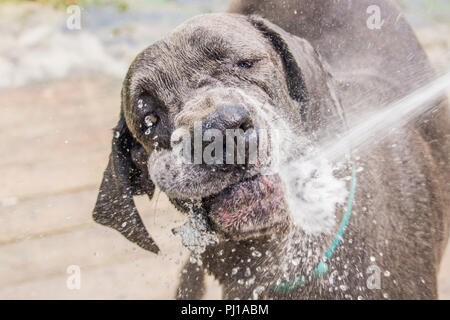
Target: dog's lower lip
[(254, 205), (208, 200)]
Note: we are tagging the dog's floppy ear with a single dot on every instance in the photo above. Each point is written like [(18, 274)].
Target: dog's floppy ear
[(308, 79), (125, 176)]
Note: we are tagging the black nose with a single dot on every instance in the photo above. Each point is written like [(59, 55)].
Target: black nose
[(229, 118), (235, 126)]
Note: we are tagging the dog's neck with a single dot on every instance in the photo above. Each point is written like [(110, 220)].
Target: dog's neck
[(257, 268)]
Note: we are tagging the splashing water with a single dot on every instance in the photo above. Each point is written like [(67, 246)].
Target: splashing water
[(195, 234), (384, 122), (313, 191)]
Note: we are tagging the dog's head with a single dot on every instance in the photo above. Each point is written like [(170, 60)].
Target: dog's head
[(213, 75)]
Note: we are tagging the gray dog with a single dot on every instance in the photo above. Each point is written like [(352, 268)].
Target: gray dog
[(312, 68)]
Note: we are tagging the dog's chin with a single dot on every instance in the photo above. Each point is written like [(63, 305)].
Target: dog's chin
[(249, 209)]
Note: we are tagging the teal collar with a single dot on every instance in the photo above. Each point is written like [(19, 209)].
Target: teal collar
[(322, 268)]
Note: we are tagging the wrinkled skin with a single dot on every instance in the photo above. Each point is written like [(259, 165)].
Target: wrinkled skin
[(209, 76), (308, 90), (193, 73)]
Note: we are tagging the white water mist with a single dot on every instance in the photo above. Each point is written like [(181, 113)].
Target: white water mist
[(312, 191), (384, 122)]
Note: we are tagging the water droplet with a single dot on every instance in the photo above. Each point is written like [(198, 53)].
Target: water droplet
[(234, 271), (250, 282), (387, 273), (360, 298), (248, 273), (385, 295), (372, 258), (140, 104), (192, 260), (117, 135), (296, 261), (257, 292), (148, 121), (124, 225), (148, 132), (156, 144), (256, 254)]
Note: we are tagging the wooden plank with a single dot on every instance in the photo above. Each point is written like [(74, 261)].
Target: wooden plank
[(58, 136), (444, 276), (137, 279), (88, 245), (112, 267), (140, 279), (40, 216)]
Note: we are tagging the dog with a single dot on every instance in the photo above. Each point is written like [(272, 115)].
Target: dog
[(312, 68)]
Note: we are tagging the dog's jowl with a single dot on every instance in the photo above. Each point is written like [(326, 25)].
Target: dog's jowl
[(225, 116)]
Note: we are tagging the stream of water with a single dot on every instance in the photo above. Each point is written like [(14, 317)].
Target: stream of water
[(312, 190)]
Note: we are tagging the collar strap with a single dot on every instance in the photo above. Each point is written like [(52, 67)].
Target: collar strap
[(322, 268)]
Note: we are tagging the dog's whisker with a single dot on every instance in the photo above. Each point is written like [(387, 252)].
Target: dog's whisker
[(155, 206)]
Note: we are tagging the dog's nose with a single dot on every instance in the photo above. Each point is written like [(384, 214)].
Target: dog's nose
[(234, 125), (229, 118)]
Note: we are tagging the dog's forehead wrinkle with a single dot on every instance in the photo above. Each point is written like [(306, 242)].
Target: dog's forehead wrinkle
[(172, 67), (227, 33)]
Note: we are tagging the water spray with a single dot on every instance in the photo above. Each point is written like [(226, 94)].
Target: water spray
[(381, 123)]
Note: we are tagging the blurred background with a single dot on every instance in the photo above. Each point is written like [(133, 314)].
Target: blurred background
[(59, 100)]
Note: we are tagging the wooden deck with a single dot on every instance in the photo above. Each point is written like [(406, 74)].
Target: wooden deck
[(53, 150)]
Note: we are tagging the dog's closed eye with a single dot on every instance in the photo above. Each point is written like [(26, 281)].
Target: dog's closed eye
[(246, 64)]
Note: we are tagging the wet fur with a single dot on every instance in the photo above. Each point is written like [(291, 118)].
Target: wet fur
[(401, 217)]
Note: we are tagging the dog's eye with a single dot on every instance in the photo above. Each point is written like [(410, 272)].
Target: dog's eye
[(151, 121), (245, 64)]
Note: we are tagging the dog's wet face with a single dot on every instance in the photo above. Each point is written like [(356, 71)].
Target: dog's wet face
[(223, 80), (215, 76)]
